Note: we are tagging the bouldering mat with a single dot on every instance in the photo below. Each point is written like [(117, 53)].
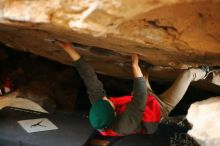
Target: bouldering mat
[(166, 135), (66, 129)]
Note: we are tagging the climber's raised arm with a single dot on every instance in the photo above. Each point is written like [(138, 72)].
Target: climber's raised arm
[(94, 86)]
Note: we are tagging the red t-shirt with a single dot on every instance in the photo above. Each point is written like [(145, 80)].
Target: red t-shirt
[(150, 114)]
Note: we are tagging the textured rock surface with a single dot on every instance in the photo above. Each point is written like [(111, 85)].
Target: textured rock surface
[(176, 33), (205, 117)]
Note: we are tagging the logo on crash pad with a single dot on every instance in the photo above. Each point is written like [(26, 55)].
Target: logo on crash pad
[(37, 125)]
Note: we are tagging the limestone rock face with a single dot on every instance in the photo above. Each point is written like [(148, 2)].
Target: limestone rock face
[(205, 117), (173, 33)]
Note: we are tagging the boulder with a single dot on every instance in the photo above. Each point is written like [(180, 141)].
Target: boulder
[(204, 117), (168, 33)]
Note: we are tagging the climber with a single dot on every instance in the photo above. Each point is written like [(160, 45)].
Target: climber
[(125, 115)]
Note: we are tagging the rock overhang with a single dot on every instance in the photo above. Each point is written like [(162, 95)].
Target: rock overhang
[(174, 33)]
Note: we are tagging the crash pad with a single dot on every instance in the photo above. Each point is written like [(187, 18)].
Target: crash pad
[(66, 129)]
